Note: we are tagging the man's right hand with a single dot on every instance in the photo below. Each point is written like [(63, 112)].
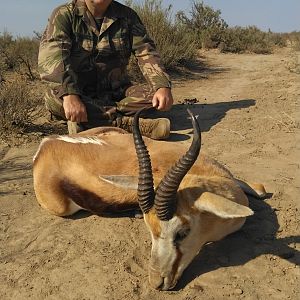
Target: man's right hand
[(75, 110)]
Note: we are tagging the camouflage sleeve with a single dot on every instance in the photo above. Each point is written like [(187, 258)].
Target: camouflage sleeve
[(54, 53), (148, 58)]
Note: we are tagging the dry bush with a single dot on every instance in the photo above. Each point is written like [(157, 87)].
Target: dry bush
[(277, 39), (205, 23), (26, 51), (294, 39), (19, 55), (212, 31), (7, 62), (175, 46), (16, 106), (246, 39)]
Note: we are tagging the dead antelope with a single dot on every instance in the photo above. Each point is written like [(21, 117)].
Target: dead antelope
[(196, 200)]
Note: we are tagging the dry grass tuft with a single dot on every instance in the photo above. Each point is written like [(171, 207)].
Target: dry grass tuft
[(17, 108)]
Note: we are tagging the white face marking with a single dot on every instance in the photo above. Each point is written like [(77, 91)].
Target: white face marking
[(82, 140), (169, 257)]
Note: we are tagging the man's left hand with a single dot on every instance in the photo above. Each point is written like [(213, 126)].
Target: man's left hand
[(163, 99)]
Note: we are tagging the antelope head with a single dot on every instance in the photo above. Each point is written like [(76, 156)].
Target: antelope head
[(180, 221)]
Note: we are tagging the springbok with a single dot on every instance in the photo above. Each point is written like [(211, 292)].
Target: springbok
[(196, 199)]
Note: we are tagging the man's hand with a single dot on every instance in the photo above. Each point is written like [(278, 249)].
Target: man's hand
[(75, 110), (163, 99)]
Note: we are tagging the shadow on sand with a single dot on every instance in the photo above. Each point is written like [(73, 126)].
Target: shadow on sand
[(208, 115), (196, 70)]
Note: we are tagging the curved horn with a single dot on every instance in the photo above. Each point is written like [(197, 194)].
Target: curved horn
[(145, 185), (165, 199)]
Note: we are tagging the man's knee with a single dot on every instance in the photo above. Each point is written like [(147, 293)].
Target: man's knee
[(54, 104), (140, 92)]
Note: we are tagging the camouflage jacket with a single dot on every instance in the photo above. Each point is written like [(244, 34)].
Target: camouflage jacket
[(84, 60)]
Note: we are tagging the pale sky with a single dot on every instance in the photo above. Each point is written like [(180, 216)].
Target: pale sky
[(22, 17)]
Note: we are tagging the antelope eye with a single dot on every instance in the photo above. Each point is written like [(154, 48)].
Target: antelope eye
[(181, 235)]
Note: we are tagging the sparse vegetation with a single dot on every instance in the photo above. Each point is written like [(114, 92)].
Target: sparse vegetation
[(175, 46), (293, 38), (19, 55), (204, 24), (211, 31), (16, 106), (249, 39)]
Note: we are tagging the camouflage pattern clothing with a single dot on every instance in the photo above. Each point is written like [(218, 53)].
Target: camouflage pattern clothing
[(87, 57)]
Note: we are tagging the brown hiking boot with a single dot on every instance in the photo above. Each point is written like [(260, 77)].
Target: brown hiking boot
[(156, 129)]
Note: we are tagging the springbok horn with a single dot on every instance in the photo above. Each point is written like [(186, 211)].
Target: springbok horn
[(165, 198), (145, 185)]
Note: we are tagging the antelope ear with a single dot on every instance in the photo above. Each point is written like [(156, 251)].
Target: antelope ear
[(221, 206), (122, 181)]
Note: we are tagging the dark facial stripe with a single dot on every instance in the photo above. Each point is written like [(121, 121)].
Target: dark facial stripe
[(177, 262)]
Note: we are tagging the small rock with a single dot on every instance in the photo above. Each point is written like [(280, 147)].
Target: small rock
[(189, 101), (238, 292), (198, 287)]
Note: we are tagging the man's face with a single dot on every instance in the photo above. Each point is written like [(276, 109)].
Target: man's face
[(101, 3)]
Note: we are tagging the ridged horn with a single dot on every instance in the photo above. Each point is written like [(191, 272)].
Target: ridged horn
[(165, 198), (145, 184)]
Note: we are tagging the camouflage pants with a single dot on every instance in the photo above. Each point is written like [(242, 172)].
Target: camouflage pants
[(102, 112)]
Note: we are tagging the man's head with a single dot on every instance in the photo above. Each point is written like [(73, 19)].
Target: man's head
[(97, 7), (99, 2)]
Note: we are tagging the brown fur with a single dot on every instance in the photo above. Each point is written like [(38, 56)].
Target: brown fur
[(101, 130), (82, 164), (154, 223)]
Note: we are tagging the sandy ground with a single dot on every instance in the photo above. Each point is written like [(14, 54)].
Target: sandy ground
[(249, 113)]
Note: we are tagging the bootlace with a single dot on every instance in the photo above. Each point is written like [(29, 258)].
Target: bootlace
[(147, 127)]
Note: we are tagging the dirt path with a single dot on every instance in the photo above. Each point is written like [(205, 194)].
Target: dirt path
[(249, 113)]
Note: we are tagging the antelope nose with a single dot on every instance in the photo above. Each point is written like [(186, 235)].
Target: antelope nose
[(155, 280)]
